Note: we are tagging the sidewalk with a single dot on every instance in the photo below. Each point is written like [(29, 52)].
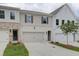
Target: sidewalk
[(46, 49), (76, 44)]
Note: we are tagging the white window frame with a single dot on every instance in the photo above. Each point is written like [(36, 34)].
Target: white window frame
[(57, 22), (43, 19), (2, 15), (12, 14), (28, 20)]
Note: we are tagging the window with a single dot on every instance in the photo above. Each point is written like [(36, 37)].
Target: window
[(2, 14), (44, 20), (12, 15), (57, 21), (68, 22), (28, 19), (62, 21)]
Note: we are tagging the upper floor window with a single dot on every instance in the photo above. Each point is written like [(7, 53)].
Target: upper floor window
[(2, 14), (57, 21), (28, 19), (12, 15), (44, 20), (62, 22)]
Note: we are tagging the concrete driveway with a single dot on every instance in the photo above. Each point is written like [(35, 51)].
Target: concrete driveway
[(47, 49), (2, 47)]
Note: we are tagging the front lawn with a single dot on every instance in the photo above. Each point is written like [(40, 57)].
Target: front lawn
[(66, 46), (15, 49)]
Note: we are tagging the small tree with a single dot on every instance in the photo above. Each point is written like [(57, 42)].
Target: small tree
[(69, 28)]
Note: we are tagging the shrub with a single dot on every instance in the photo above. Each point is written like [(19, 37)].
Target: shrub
[(67, 46), (56, 42), (52, 42)]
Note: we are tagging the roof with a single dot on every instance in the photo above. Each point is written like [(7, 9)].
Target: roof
[(23, 11), (33, 12), (10, 8), (36, 12), (57, 10)]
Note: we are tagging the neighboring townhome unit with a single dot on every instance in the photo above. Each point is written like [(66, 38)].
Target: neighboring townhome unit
[(9, 23), (60, 16), (35, 26)]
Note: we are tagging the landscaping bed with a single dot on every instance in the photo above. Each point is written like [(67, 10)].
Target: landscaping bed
[(66, 46), (15, 49)]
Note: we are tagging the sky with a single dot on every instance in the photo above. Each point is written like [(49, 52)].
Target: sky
[(42, 7)]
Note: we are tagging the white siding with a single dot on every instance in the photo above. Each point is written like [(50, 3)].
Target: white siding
[(36, 26), (63, 14)]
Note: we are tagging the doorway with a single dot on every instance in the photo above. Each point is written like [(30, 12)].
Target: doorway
[(49, 35), (15, 35)]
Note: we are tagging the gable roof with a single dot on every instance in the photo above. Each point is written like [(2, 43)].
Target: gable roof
[(49, 14), (33, 12), (72, 11), (57, 10), (40, 13)]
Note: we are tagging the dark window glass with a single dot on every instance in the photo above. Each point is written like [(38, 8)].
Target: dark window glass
[(2, 14), (57, 21), (44, 19), (28, 19), (12, 15)]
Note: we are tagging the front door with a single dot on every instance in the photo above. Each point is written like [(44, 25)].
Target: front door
[(49, 35), (15, 35)]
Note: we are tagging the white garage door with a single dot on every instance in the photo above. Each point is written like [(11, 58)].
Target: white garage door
[(4, 36), (77, 37), (59, 37), (33, 37)]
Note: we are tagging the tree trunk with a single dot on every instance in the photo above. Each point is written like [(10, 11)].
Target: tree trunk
[(67, 39), (74, 37)]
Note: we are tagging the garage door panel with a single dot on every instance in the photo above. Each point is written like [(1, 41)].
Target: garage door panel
[(27, 37), (38, 36), (33, 37), (60, 37), (4, 36), (77, 37)]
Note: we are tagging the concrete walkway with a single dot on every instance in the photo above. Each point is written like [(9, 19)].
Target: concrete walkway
[(76, 44), (2, 47), (47, 49)]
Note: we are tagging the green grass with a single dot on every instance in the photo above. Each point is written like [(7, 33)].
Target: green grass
[(66, 46), (15, 49)]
